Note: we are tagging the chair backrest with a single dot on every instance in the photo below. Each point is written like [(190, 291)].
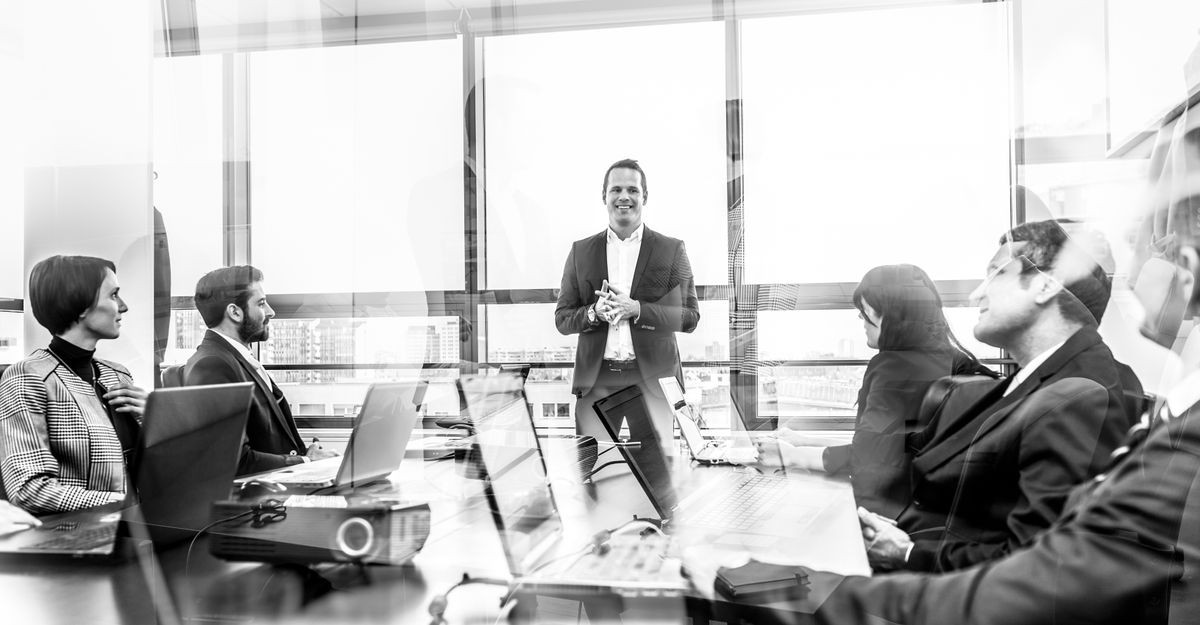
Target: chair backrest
[(172, 376), (967, 387)]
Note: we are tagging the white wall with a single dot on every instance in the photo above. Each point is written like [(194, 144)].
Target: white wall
[(86, 88)]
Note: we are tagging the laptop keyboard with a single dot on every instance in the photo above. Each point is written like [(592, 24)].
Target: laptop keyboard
[(745, 506), (630, 558), (79, 541)]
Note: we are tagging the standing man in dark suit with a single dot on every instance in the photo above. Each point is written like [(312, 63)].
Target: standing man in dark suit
[(1125, 550), (626, 292), (988, 477), (234, 306)]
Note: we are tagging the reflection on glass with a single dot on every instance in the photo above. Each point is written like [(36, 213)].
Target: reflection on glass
[(346, 340), (545, 163), (1148, 46), (808, 391), (517, 485), (896, 152), (340, 392), (12, 180), (12, 337), (838, 334), (357, 172), (188, 160), (526, 333)]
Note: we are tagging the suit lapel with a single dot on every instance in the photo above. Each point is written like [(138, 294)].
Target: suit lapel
[(599, 255), (645, 251), (957, 435), (263, 385), (941, 451)]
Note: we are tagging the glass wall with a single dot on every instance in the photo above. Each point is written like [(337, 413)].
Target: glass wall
[(12, 202), (411, 184)]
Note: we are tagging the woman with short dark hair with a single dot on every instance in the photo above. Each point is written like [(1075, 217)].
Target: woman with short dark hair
[(902, 316), (69, 421)]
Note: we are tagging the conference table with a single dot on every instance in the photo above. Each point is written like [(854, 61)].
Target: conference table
[(186, 584)]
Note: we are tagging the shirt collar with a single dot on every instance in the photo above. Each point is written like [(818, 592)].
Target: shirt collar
[(1185, 394), (241, 349), (1026, 371), (634, 237)]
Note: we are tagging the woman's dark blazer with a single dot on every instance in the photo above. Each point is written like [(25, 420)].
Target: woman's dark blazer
[(877, 460)]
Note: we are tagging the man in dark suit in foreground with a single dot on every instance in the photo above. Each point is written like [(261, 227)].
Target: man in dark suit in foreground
[(626, 292), (1125, 549), (234, 307), (988, 476)]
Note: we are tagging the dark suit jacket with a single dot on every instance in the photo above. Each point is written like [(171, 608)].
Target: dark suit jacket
[(988, 478), (271, 440), (1126, 551), (662, 283), (893, 387)]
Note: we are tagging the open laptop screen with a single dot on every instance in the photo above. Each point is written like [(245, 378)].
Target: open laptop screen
[(683, 416), (389, 413), (188, 455), (627, 408), (516, 482)]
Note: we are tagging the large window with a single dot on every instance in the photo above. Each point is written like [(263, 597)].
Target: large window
[(873, 138), (188, 154), (356, 178), (556, 120), (12, 207), (412, 197), (1153, 60)]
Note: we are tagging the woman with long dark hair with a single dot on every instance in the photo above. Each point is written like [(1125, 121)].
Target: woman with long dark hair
[(902, 316)]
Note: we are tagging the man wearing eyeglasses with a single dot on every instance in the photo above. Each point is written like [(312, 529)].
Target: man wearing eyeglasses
[(1127, 545), (988, 476)]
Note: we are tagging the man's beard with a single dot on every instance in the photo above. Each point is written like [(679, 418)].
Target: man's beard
[(253, 331)]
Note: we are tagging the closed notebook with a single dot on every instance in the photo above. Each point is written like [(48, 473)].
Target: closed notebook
[(755, 579)]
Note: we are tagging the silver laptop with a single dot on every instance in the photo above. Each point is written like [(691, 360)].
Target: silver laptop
[(738, 449), (526, 514), (389, 413), (186, 458)]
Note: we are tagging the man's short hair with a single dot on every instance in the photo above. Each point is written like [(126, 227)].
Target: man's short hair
[(61, 288), (1046, 248), (626, 163), (221, 287)]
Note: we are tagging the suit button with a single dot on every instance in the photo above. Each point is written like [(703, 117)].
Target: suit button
[(917, 503)]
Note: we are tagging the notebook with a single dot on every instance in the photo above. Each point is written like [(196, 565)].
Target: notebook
[(747, 508), (736, 450), (382, 428), (186, 458), (526, 515)]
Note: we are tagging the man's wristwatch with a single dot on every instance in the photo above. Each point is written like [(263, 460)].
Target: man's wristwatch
[(591, 313)]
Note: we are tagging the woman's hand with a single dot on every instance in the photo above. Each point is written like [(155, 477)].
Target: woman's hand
[(777, 452), (127, 398)]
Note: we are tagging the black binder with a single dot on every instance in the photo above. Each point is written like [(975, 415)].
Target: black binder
[(761, 581)]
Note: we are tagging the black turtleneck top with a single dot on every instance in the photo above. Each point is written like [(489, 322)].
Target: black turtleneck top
[(82, 363)]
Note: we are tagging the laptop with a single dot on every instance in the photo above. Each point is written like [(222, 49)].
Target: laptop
[(186, 458), (738, 450), (382, 428), (523, 507), (748, 508)]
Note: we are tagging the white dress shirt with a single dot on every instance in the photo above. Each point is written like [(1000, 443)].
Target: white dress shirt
[(1026, 371), (245, 352), (622, 259)]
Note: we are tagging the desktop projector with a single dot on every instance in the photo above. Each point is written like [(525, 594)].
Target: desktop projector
[(304, 529)]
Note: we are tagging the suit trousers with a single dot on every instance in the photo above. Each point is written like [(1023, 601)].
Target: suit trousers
[(613, 377)]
